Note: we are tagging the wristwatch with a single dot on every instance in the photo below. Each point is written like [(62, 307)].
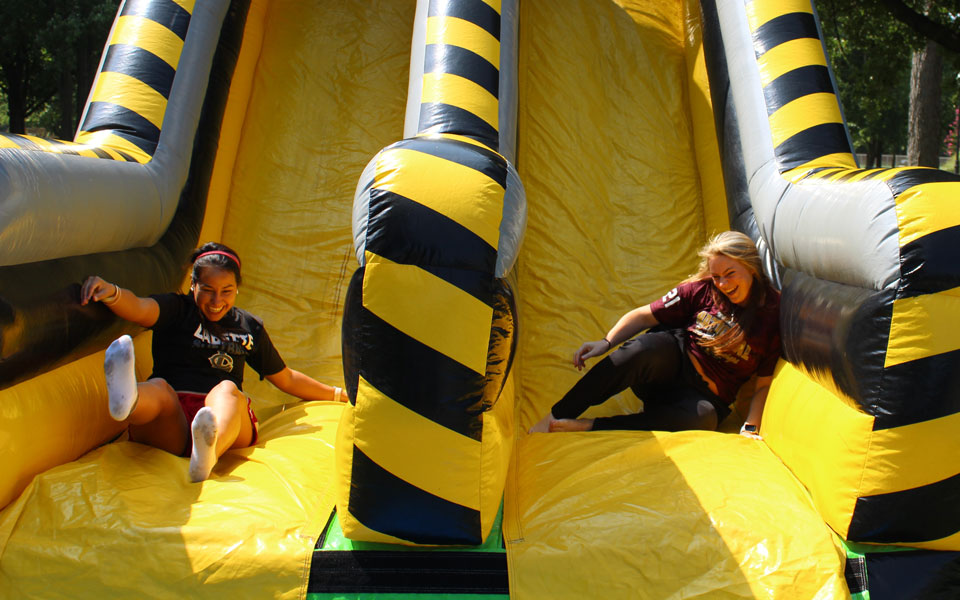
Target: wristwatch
[(749, 428)]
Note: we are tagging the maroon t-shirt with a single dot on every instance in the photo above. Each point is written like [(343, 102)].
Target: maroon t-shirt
[(691, 306)]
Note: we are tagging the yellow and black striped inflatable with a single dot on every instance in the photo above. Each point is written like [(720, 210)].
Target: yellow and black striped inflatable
[(865, 411), (429, 322)]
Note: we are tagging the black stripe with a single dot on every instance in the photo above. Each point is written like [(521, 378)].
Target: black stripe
[(792, 26), (165, 12), (437, 117), (100, 152), (815, 171), (813, 142), (478, 284), (930, 264), (825, 172), (446, 58), (477, 12), (24, 142), (855, 572), (812, 79), (407, 232), (128, 157), (478, 158), (418, 377), (876, 173), (919, 390), (64, 147), (140, 64), (905, 180), (850, 175), (106, 116), (352, 325), (383, 502), (413, 571), (917, 515), (927, 574)]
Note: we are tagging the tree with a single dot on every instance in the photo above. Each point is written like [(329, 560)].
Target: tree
[(936, 23), (25, 78), (892, 101), (923, 133), (872, 72), (49, 51)]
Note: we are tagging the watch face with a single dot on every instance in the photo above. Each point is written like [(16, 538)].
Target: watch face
[(750, 428)]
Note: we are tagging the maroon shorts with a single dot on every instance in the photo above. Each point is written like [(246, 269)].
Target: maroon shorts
[(191, 403)]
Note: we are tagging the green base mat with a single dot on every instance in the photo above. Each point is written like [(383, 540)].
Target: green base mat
[(344, 569)]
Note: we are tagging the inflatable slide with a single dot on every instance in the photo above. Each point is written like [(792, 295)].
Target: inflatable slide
[(436, 202)]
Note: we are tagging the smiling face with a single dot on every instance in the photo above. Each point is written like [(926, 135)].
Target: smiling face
[(731, 277), (214, 292)]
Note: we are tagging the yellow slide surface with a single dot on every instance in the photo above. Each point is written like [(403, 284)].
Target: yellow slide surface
[(621, 195)]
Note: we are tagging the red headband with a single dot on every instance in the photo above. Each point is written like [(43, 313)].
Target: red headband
[(222, 253)]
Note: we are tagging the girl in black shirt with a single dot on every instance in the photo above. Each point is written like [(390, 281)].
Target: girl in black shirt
[(201, 342)]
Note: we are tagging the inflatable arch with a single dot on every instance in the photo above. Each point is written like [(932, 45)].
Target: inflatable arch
[(251, 121)]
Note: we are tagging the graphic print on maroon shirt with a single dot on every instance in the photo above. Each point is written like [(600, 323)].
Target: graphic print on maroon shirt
[(691, 306)]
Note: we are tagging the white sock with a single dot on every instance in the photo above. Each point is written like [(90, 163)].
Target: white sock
[(204, 454), (118, 367)]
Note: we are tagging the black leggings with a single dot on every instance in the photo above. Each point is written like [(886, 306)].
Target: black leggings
[(653, 365)]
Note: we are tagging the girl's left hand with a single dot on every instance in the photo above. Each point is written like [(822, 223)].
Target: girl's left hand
[(750, 434)]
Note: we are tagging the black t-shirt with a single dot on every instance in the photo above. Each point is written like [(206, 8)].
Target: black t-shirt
[(193, 354)]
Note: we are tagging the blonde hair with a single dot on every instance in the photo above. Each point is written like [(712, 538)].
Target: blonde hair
[(740, 248), (735, 245)]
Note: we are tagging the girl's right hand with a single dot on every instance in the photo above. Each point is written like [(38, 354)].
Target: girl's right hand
[(589, 350), (95, 289)]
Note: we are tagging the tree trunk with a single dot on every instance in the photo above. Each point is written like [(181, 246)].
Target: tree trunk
[(874, 153), (923, 145), (17, 107), (65, 102)]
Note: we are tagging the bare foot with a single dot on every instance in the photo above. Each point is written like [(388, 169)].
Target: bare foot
[(204, 454), (571, 425), (118, 367), (543, 425)]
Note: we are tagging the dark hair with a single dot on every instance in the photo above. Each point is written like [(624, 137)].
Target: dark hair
[(216, 255)]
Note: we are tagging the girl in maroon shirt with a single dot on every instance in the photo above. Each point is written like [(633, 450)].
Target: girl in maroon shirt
[(710, 335)]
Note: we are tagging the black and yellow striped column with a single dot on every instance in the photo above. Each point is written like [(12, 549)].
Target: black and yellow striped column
[(126, 108), (461, 70), (867, 414), (129, 98), (428, 328), (802, 106)]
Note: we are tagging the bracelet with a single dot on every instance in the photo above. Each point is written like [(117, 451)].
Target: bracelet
[(609, 345), (337, 393), (112, 298)]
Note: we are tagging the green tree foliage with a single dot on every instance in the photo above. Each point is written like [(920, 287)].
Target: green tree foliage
[(871, 60), (49, 52), (870, 43)]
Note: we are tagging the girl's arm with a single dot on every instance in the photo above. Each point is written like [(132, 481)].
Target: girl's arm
[(124, 303), (305, 387), (755, 414), (626, 327)]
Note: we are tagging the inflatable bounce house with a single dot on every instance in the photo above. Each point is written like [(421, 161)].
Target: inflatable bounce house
[(436, 202)]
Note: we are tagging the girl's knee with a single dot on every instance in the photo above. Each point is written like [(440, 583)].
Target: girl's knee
[(652, 351), (226, 393), (161, 385), (707, 416), (225, 388)]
